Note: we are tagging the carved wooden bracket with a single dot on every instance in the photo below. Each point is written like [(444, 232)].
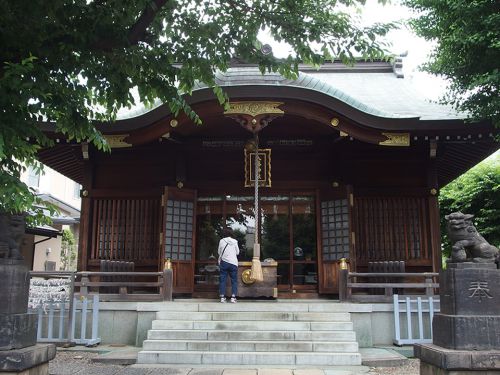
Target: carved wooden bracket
[(254, 116)]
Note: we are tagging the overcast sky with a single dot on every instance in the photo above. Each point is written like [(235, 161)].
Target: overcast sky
[(402, 40)]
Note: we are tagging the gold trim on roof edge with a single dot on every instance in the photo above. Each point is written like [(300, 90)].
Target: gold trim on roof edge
[(396, 139), (254, 108), (117, 140)]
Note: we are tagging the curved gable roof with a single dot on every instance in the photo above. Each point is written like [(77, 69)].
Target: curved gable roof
[(382, 95)]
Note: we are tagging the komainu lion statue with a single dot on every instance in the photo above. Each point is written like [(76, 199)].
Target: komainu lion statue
[(467, 243), (11, 235)]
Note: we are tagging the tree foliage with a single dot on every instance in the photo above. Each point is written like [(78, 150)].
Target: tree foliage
[(68, 251), (476, 192), (75, 63), (467, 52)]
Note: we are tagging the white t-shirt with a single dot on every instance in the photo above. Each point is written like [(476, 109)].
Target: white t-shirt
[(231, 252)]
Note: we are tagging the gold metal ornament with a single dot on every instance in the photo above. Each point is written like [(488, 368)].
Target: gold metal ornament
[(254, 108), (343, 264), (168, 264), (396, 139), (174, 123), (334, 122), (246, 277), (117, 140)]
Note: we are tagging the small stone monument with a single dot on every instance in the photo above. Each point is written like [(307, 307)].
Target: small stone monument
[(466, 333), (19, 352)]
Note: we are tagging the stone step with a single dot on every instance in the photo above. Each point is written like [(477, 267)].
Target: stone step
[(250, 346), (257, 315), (251, 306), (236, 335), (251, 325), (245, 358)]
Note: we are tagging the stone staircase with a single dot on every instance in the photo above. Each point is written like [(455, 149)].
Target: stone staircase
[(251, 333)]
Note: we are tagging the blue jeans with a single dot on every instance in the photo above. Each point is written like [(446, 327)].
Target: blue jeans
[(226, 268)]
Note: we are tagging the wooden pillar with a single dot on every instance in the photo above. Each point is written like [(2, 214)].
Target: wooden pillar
[(85, 242), (434, 217)]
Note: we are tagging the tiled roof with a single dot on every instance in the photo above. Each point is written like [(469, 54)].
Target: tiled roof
[(381, 94)]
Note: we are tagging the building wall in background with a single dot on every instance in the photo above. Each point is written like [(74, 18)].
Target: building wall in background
[(62, 188)]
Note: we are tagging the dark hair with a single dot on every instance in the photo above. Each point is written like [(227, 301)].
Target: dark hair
[(227, 232)]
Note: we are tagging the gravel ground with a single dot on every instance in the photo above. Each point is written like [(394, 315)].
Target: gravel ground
[(70, 362), (412, 368)]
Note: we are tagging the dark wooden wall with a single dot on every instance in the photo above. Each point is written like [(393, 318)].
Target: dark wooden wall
[(392, 207)]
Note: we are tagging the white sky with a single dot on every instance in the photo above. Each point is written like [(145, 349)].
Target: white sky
[(402, 40)]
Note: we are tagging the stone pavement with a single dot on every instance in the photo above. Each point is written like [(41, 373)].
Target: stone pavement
[(111, 360)]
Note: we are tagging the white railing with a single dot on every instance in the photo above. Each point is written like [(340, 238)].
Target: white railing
[(419, 313), (60, 323)]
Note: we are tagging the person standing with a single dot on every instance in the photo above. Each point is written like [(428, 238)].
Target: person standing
[(228, 264)]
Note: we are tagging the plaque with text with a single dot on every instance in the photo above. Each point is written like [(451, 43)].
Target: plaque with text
[(264, 168)]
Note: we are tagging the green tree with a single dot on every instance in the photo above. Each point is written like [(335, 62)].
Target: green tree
[(75, 63), (476, 192), (467, 51), (68, 251)]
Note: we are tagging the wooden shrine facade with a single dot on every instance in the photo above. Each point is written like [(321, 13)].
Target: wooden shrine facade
[(344, 183)]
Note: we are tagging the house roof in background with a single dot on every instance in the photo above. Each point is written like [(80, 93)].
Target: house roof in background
[(43, 230), (73, 212)]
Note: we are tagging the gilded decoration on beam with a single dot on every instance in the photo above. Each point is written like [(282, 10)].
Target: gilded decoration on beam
[(254, 108), (117, 140), (264, 167), (396, 139)]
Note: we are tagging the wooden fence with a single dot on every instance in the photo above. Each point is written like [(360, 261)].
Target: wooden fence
[(361, 287), (157, 288)]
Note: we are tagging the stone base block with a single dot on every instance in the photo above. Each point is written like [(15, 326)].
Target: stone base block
[(32, 358), (436, 360), (14, 286), (470, 289), (42, 369), (466, 332), (17, 331)]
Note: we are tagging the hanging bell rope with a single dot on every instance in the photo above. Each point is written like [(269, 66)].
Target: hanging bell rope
[(256, 271)]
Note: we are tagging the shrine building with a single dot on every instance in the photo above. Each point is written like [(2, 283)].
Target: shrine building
[(351, 163)]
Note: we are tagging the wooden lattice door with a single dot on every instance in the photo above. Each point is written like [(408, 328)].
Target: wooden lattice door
[(178, 236), (336, 237)]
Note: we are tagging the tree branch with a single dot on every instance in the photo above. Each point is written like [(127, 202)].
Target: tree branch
[(138, 30)]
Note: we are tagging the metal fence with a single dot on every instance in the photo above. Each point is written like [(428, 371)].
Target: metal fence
[(413, 319)]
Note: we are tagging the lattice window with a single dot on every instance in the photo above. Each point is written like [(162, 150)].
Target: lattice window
[(125, 229), (391, 228), (335, 229), (178, 230)]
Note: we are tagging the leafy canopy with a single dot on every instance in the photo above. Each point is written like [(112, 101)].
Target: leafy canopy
[(476, 192), (75, 63), (467, 52)]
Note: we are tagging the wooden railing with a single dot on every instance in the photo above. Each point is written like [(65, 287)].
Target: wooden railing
[(349, 283), (86, 283)]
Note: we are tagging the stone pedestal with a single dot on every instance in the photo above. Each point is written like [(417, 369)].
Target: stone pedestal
[(17, 328), (30, 360), (19, 353), (466, 333)]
